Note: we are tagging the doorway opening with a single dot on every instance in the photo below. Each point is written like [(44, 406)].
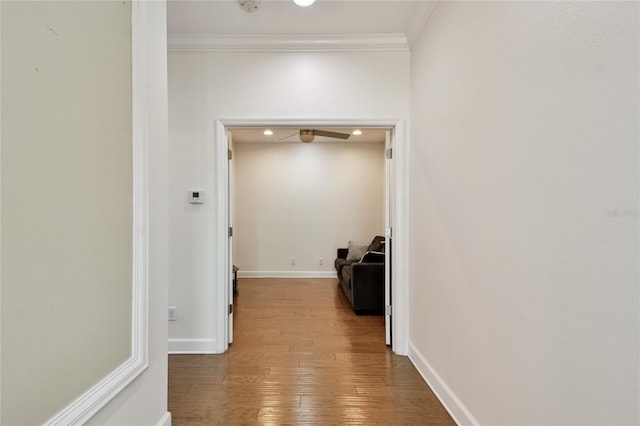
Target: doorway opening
[(393, 209)]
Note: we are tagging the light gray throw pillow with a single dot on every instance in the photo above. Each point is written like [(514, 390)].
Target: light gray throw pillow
[(356, 251)]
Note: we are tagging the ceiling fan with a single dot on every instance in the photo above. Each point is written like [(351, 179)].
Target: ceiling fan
[(308, 135)]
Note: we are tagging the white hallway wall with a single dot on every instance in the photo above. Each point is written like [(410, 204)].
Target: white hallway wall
[(144, 401), (525, 143), (59, 256), (204, 87), (303, 201)]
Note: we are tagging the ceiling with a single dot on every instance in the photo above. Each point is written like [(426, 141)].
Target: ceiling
[(291, 135), (283, 17)]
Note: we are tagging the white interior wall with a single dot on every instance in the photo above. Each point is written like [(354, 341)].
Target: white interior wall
[(524, 265), (144, 401), (204, 87), (303, 201), (66, 202)]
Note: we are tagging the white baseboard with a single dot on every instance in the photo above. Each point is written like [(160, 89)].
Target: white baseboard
[(192, 346), (165, 420), (287, 274), (457, 410)]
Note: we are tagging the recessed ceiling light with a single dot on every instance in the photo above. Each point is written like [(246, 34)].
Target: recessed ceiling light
[(268, 132), (357, 132), (304, 3)]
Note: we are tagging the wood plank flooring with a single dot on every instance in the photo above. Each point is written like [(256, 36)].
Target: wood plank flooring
[(300, 356)]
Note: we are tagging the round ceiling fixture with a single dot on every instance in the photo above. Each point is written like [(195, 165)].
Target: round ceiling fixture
[(306, 136), (249, 5), (357, 132), (304, 3)]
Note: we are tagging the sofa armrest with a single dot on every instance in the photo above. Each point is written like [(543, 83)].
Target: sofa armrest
[(367, 284), (342, 253), (373, 257)]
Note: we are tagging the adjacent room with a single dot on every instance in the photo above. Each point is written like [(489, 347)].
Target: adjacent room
[(296, 203)]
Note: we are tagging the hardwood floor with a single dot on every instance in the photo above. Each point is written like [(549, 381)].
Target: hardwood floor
[(300, 356)]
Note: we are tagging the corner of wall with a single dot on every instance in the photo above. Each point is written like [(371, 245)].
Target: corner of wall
[(456, 409), (165, 420)]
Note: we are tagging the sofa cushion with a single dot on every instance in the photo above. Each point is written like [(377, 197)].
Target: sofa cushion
[(342, 253), (340, 263), (356, 251), (377, 244)]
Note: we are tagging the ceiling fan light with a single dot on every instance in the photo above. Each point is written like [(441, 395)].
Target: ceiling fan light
[(268, 132), (306, 137), (357, 132), (304, 3)]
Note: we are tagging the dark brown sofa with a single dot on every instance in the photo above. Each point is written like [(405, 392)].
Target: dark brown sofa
[(363, 281)]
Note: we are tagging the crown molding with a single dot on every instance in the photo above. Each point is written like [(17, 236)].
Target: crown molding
[(288, 43)]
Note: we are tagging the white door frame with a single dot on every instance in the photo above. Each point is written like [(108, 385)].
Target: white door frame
[(400, 290), (388, 226)]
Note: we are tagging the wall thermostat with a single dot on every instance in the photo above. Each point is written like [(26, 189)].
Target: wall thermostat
[(196, 197)]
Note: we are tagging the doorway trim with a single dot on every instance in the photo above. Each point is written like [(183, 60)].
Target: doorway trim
[(400, 277)]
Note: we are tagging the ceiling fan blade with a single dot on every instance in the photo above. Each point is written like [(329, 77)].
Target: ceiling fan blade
[(331, 134), (287, 137)]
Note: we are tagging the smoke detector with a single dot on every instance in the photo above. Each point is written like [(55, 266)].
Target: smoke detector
[(249, 5)]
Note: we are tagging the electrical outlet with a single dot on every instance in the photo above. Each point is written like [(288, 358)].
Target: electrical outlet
[(320, 261), (293, 261), (172, 313)]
